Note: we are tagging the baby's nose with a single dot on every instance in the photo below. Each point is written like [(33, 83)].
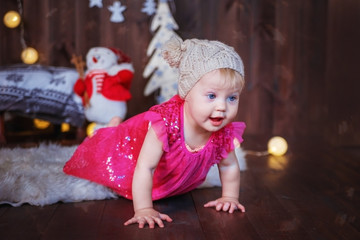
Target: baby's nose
[(221, 105)]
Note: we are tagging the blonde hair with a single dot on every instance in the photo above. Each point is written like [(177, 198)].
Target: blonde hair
[(232, 78)]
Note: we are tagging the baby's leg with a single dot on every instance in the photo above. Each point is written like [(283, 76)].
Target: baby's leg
[(114, 121)]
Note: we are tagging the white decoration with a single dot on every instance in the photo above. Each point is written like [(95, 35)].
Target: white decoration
[(117, 10), (29, 175), (95, 3), (149, 7), (102, 64), (164, 77)]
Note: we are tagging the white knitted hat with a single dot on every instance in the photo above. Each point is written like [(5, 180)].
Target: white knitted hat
[(195, 58)]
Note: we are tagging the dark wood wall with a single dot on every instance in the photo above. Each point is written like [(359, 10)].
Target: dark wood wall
[(301, 56)]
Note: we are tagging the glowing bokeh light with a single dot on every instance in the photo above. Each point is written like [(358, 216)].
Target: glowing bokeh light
[(41, 124), (90, 129), (29, 55), (12, 19), (277, 146), (65, 127)]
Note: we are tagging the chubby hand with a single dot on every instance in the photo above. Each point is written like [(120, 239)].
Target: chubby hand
[(148, 216), (226, 204)]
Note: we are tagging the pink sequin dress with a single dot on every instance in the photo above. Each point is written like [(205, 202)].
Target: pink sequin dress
[(109, 156)]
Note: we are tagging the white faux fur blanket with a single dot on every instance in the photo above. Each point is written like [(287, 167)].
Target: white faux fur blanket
[(35, 176)]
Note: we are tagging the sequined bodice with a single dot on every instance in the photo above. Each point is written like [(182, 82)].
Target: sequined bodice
[(170, 113)]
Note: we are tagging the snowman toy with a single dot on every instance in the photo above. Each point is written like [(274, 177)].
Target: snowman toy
[(106, 86)]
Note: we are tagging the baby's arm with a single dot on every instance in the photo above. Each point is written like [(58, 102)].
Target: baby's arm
[(149, 157), (230, 180)]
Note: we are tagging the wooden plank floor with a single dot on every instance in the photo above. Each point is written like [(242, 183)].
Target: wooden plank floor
[(311, 193)]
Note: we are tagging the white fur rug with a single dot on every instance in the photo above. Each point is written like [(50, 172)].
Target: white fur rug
[(35, 176)]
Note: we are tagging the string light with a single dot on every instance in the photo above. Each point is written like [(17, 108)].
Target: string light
[(65, 127), (29, 55), (12, 19), (90, 129), (41, 124), (277, 146)]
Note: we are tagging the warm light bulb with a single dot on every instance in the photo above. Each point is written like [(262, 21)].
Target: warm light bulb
[(29, 55), (41, 124), (277, 146), (90, 129), (12, 19), (65, 127)]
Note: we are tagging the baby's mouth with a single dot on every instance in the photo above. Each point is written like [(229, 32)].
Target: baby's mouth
[(216, 121)]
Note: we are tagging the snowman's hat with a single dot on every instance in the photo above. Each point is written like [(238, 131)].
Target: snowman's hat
[(121, 56)]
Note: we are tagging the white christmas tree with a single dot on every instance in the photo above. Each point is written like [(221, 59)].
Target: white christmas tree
[(163, 76), (149, 7)]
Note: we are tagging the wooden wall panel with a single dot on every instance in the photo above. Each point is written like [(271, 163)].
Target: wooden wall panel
[(342, 119), (299, 80), (259, 64)]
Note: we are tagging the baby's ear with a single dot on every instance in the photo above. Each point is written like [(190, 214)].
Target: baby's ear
[(236, 143)]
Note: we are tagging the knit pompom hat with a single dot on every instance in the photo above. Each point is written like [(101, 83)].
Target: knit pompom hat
[(195, 58)]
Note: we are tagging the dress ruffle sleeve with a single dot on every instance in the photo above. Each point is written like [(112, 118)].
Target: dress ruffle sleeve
[(157, 123), (234, 130)]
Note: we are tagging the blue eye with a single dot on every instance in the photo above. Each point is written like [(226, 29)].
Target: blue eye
[(211, 96), (233, 98)]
